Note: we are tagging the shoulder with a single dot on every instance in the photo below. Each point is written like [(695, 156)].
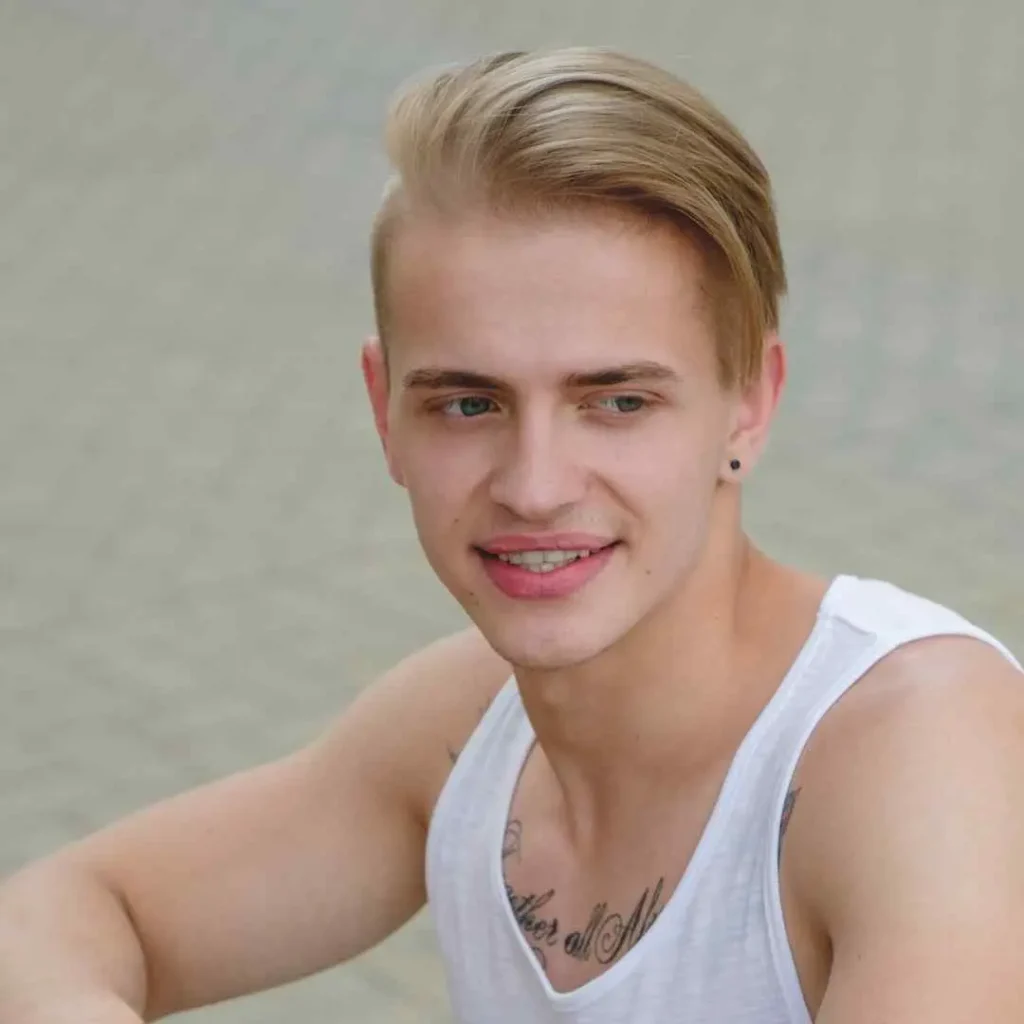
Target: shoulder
[(953, 694), (911, 779), (412, 721)]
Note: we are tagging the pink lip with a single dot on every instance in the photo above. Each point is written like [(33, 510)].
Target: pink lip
[(510, 543), (517, 582)]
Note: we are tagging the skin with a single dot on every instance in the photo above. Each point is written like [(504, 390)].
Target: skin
[(685, 634), (902, 870), (905, 852), (681, 640), (657, 645)]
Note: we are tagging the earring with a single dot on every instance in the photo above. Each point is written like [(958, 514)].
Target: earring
[(735, 464)]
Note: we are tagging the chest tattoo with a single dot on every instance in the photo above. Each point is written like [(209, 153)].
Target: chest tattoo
[(605, 937)]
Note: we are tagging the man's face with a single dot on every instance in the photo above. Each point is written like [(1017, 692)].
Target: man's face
[(552, 397)]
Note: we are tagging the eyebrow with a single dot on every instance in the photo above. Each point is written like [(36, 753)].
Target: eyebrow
[(435, 377)]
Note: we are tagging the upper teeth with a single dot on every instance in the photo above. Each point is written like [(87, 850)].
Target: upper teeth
[(543, 561)]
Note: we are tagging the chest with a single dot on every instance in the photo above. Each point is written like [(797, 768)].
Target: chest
[(578, 929), (580, 915)]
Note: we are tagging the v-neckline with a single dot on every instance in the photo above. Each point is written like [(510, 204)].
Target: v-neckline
[(710, 836)]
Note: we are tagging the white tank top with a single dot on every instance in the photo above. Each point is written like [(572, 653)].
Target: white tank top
[(718, 953)]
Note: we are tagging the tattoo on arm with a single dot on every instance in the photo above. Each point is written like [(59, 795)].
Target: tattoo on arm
[(787, 813)]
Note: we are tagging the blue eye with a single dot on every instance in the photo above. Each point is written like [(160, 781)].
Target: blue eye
[(468, 407), (623, 404)]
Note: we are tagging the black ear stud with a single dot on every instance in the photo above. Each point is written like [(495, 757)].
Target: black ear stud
[(735, 465)]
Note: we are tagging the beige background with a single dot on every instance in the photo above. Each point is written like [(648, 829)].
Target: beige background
[(201, 559)]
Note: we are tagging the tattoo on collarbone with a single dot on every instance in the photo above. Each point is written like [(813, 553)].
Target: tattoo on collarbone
[(512, 844), (605, 937)]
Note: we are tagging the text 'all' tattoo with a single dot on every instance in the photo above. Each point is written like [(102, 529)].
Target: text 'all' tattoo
[(605, 937)]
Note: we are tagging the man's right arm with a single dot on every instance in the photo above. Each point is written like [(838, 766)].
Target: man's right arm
[(253, 881)]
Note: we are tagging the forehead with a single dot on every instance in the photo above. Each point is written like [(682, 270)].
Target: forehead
[(549, 293)]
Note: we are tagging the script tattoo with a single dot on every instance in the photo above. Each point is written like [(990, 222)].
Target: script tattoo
[(606, 935), (540, 931)]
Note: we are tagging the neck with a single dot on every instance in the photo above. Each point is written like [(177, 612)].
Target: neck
[(673, 698)]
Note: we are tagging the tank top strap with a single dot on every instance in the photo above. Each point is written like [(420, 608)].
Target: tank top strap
[(493, 750), (865, 621)]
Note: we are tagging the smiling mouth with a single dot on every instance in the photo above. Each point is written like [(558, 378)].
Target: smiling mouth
[(544, 561)]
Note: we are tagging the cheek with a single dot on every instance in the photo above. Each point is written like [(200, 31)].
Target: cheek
[(674, 465), (440, 476), (668, 484)]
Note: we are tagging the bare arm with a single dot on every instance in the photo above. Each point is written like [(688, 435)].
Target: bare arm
[(253, 881), (67, 951), (909, 843)]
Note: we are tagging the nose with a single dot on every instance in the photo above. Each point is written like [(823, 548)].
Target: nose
[(537, 479)]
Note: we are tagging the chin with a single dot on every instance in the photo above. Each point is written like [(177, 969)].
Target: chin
[(548, 646), (554, 655)]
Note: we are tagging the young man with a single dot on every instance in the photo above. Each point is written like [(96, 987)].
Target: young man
[(577, 275)]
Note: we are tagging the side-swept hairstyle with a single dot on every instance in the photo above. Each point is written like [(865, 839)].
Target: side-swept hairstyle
[(535, 131)]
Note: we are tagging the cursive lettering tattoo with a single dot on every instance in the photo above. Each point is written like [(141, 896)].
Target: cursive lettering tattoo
[(606, 936), (540, 931), (787, 813)]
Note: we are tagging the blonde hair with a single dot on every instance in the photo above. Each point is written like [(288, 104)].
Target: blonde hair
[(580, 126)]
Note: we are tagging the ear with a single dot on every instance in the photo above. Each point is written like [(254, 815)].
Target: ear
[(756, 404), (378, 390)]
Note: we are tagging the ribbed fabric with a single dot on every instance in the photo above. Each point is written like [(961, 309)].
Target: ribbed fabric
[(718, 952)]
